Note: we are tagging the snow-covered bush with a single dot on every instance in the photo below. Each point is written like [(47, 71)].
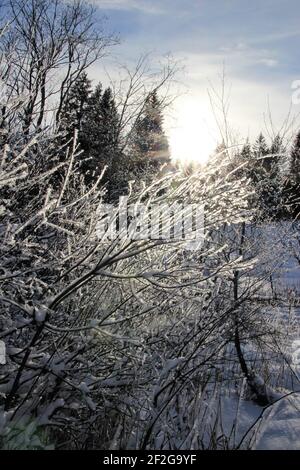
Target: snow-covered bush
[(119, 342), (93, 326)]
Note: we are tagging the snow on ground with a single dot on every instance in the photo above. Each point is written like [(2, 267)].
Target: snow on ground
[(278, 426), (248, 425)]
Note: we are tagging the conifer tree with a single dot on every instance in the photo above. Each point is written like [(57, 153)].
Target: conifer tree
[(295, 161), (292, 186), (75, 106), (277, 152), (246, 151), (71, 119), (266, 175), (244, 160), (260, 147), (274, 168), (150, 144), (99, 140), (260, 152)]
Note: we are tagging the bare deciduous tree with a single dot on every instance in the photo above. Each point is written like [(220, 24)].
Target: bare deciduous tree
[(47, 39)]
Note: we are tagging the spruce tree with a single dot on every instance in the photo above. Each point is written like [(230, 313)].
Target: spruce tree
[(74, 109), (257, 170), (260, 147), (292, 187), (260, 152), (243, 160), (246, 151), (71, 120), (99, 140), (295, 161), (150, 145), (277, 152), (274, 170), (266, 175)]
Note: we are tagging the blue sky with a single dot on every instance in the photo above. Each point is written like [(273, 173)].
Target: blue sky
[(258, 42)]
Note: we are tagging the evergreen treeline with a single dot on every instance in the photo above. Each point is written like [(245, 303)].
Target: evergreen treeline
[(274, 174), (94, 115)]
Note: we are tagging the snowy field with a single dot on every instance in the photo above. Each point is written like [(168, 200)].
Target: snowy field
[(277, 426)]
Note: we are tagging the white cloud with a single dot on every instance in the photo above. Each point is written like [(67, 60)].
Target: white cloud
[(245, 54), (250, 62), (276, 36), (142, 5), (269, 62)]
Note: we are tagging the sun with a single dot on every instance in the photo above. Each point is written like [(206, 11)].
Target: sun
[(191, 138)]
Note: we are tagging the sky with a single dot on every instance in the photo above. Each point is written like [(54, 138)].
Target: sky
[(256, 45)]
